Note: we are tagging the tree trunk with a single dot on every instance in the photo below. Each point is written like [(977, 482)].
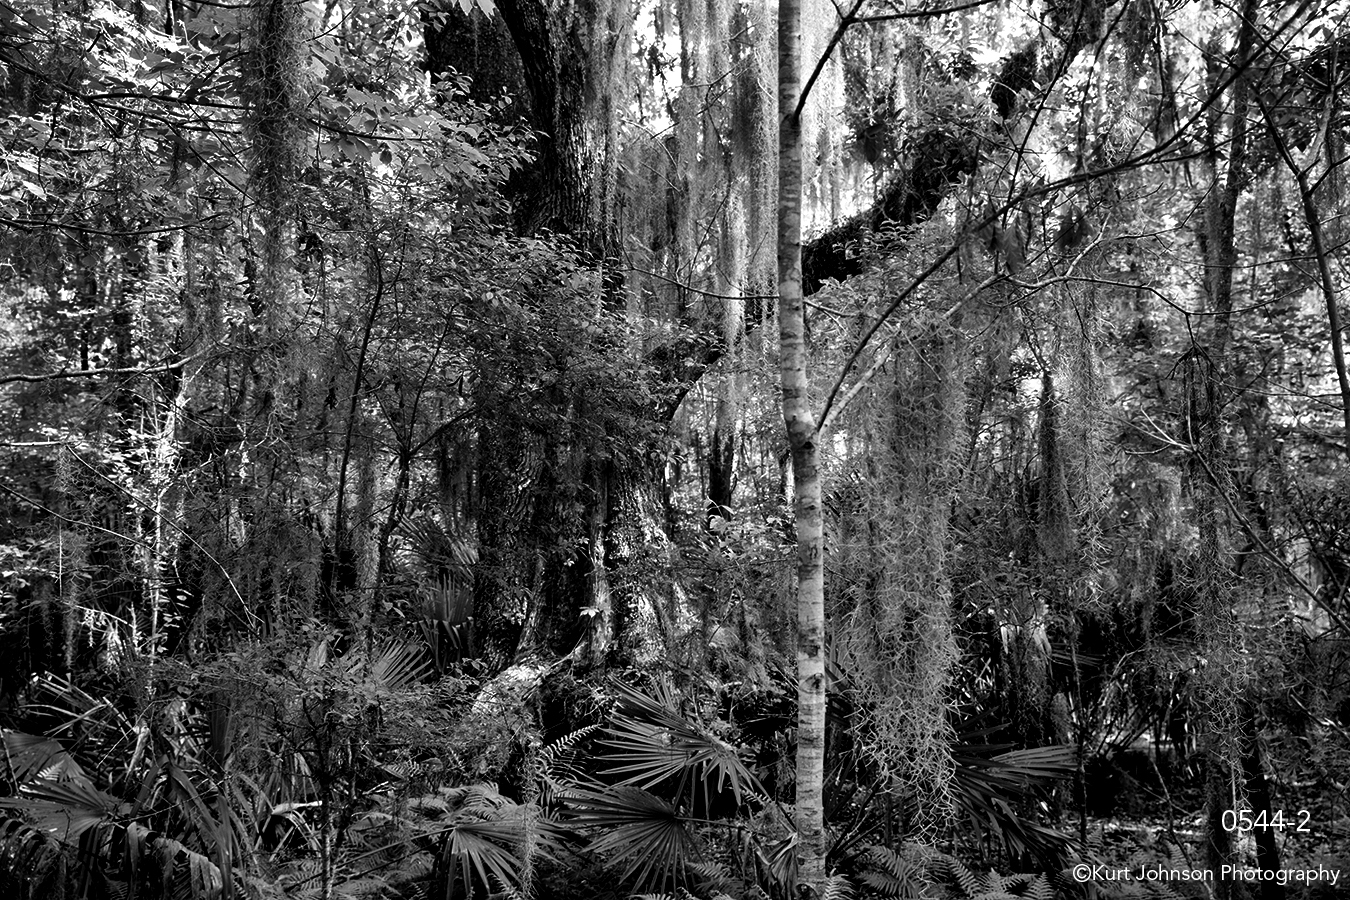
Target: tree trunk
[(806, 479), (561, 50), (1258, 793), (564, 54), (1210, 398), (1306, 193)]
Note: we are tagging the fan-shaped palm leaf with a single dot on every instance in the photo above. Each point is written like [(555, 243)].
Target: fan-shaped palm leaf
[(63, 809), (491, 836), (30, 757), (985, 787), (645, 835), (651, 742)]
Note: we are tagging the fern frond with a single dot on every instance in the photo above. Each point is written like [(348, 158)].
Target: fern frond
[(712, 874), (970, 885), (897, 874), (1040, 889), (838, 887), (565, 744)]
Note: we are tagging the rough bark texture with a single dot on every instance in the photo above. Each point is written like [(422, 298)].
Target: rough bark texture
[(556, 48), (479, 46), (554, 52), (938, 161), (806, 479)]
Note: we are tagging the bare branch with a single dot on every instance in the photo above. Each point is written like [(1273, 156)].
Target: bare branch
[(95, 373)]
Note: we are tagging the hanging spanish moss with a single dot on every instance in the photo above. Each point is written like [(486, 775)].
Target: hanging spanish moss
[(274, 93), (758, 90), (71, 563), (896, 637), (611, 32)]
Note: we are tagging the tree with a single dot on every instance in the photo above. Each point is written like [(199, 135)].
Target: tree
[(794, 358)]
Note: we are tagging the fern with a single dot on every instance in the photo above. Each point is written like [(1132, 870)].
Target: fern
[(990, 885), (838, 887), (556, 767), (710, 874), (970, 885), (1040, 888), (1141, 890), (893, 874)]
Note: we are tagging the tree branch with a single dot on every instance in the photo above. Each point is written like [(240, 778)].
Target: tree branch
[(94, 373), (1328, 281)]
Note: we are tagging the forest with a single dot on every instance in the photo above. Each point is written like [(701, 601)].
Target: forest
[(674, 449)]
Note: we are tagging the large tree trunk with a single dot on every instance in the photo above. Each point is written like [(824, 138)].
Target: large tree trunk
[(806, 479), (561, 55), (563, 48)]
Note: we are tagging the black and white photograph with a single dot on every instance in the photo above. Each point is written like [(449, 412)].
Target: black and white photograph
[(674, 449)]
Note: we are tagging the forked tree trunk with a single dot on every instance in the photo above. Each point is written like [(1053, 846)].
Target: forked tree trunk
[(802, 437)]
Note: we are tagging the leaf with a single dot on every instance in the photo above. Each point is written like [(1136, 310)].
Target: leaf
[(65, 810), (983, 787), (653, 743), (32, 758), (31, 858), (641, 832), (491, 836)]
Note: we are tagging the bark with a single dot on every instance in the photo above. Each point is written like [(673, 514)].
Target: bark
[(1258, 793), (497, 627), (571, 191), (1210, 398), (806, 475), (559, 53), (599, 614), (722, 457), (938, 162), (480, 46)]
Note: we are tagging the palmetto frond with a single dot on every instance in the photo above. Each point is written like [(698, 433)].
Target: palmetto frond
[(29, 757), (32, 865), (644, 835), (81, 819), (63, 812), (651, 743), (985, 787), (490, 838)]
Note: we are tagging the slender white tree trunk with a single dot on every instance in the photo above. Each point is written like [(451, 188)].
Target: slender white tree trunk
[(801, 429)]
